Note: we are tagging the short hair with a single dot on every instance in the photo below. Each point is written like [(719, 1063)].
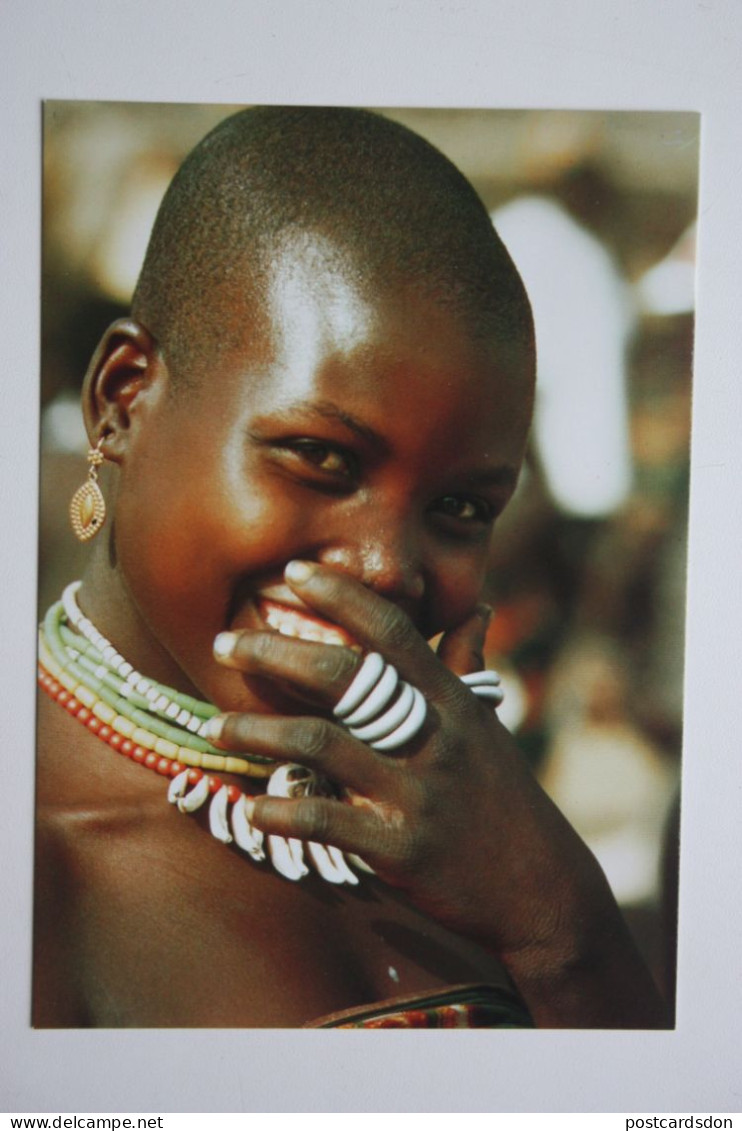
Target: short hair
[(370, 185)]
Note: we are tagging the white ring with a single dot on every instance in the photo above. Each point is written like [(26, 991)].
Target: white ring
[(376, 701), (409, 728), (496, 694), (363, 681), (380, 728), (365, 707), (481, 679)]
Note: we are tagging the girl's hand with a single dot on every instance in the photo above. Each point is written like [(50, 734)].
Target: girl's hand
[(454, 817)]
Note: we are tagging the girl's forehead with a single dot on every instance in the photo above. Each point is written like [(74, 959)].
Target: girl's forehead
[(387, 352), (314, 293), (318, 302)]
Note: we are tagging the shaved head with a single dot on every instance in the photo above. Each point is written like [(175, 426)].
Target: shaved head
[(395, 207)]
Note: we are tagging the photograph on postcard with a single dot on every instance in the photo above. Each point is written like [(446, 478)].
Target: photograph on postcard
[(363, 537)]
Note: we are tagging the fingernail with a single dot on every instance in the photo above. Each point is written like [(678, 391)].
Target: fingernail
[(224, 645), (299, 572), (485, 613), (249, 807), (214, 726)]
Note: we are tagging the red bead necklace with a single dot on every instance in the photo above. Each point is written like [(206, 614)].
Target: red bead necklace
[(164, 766)]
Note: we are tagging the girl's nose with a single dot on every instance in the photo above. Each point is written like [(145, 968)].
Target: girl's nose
[(384, 562)]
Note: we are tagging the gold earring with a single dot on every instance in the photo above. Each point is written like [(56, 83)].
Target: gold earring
[(88, 507)]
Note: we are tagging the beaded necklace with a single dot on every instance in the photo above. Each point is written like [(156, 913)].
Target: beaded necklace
[(163, 730)]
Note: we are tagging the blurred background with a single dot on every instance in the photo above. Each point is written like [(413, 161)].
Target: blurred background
[(588, 565)]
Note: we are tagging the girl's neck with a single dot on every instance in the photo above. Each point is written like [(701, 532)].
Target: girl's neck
[(105, 598)]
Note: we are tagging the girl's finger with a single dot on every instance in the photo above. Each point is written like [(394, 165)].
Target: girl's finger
[(357, 829), (377, 624), (323, 671), (462, 649), (313, 742)]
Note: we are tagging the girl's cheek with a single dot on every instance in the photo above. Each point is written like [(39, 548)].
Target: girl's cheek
[(457, 601)]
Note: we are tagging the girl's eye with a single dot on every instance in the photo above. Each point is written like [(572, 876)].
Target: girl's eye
[(331, 460), (464, 508)]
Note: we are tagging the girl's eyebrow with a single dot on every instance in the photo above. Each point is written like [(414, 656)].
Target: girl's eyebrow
[(504, 475), (328, 410)]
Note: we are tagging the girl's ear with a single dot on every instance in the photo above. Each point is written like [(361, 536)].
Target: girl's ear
[(122, 369)]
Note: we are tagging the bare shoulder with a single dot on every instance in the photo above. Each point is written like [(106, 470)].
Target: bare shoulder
[(143, 919), (86, 819)]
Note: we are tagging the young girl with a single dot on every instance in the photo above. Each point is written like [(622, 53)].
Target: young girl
[(313, 418)]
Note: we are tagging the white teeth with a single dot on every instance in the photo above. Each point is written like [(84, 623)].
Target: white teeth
[(290, 622)]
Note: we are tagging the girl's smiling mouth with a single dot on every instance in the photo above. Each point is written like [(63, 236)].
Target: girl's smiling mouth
[(282, 611)]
